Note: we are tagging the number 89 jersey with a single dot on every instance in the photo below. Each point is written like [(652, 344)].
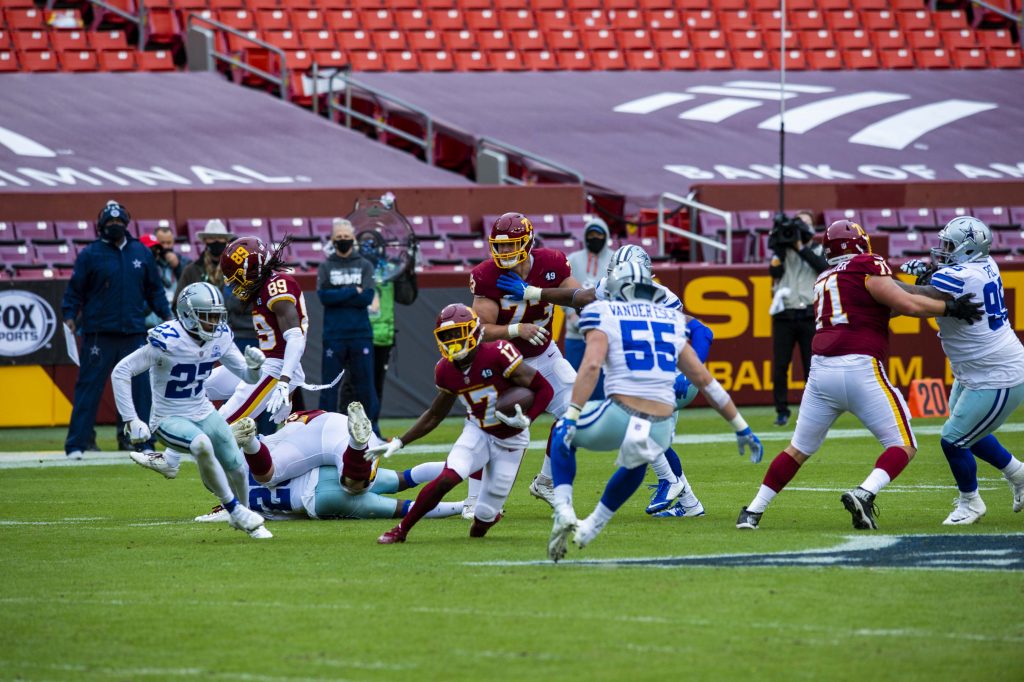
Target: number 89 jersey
[(644, 342), (849, 320), (279, 287), (181, 368)]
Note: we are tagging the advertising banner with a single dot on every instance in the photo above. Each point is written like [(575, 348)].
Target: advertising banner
[(29, 317)]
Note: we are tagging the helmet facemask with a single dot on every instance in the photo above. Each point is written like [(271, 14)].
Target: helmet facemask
[(457, 340), (509, 252), (201, 311)]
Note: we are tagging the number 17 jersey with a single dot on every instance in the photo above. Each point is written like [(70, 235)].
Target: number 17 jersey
[(849, 320)]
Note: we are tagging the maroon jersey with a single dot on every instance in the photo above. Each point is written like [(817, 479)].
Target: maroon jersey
[(479, 386), (550, 268), (279, 287), (849, 320)]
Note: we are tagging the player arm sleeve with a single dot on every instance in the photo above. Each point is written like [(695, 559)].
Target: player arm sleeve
[(235, 362), (544, 393), (294, 347), (121, 378), (700, 337)]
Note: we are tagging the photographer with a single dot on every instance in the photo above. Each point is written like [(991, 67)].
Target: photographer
[(794, 267)]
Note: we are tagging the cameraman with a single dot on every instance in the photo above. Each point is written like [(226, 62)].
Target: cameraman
[(794, 267)]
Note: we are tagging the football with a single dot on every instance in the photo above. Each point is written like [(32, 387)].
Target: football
[(516, 395)]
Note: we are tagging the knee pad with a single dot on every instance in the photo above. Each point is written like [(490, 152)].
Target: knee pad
[(501, 484), (484, 511), (201, 446)]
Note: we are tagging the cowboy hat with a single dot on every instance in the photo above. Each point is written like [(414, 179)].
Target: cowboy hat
[(215, 229)]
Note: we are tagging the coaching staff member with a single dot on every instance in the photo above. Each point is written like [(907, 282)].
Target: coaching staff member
[(114, 280)]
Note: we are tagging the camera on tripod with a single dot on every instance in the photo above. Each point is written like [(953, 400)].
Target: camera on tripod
[(787, 231)]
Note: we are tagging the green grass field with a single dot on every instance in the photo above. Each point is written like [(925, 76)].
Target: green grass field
[(105, 578)]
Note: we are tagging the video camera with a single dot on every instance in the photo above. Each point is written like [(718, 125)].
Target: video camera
[(787, 231), (384, 237)]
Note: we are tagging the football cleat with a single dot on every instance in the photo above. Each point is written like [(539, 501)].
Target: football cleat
[(359, 426), (679, 511), (965, 511), (217, 515), (565, 523), (392, 537), (245, 519), (665, 494), (781, 419), (748, 520), (1018, 491), (469, 508), (480, 528), (587, 530), (244, 431), (861, 505), (155, 461), (542, 487)]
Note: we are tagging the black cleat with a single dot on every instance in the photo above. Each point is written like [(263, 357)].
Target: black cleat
[(861, 505), (748, 519)]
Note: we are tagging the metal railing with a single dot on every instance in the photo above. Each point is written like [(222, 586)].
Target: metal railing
[(280, 79), (140, 21), (489, 142), (1018, 19), (695, 208), (334, 106)]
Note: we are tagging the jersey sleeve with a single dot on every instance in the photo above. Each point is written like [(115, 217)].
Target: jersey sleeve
[(509, 358), (282, 289), (871, 264), (672, 301), (590, 316), (439, 377), (601, 290), (131, 365), (560, 264), (483, 283), (949, 281)]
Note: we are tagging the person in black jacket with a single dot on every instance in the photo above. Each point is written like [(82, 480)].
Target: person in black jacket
[(114, 280), (345, 286)]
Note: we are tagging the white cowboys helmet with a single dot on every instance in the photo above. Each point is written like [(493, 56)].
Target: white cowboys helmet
[(630, 253), (631, 282), (962, 240), (201, 310)]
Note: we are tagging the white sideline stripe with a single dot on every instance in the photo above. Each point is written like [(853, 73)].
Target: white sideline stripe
[(651, 103), (888, 489), (719, 110), (752, 93), (41, 460), (898, 131), (790, 87), (809, 116), (162, 672)]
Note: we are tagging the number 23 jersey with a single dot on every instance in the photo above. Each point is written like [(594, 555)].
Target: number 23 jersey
[(849, 320), (280, 287)]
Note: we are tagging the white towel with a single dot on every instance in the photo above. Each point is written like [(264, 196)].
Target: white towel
[(638, 448), (777, 305)]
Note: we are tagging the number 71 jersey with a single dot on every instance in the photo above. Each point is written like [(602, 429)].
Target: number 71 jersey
[(182, 367), (849, 320)]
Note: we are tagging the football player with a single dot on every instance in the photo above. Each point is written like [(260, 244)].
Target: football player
[(526, 324), (477, 373), (987, 360), (641, 344), (854, 300), (180, 355), (313, 467)]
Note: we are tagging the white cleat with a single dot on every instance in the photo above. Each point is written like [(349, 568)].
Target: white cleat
[(565, 523), (965, 511), (217, 515), (469, 508), (77, 455), (1018, 492), (245, 519), (543, 488), (587, 530), (359, 426), (155, 461), (244, 431)]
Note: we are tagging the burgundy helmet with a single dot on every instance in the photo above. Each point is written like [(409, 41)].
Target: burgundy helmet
[(458, 331), (242, 263), (513, 229), (845, 238)]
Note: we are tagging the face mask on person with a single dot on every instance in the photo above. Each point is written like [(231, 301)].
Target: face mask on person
[(216, 248), (114, 232), (595, 244), (343, 245)]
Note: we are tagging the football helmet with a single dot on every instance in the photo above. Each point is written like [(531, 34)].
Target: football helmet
[(242, 264), (630, 253), (962, 240), (629, 281), (514, 233), (844, 239), (458, 332), (201, 310)]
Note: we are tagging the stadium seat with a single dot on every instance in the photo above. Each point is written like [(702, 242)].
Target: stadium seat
[(879, 20), (573, 60), (817, 40), (672, 39), (657, 20), (736, 20), (469, 249), (708, 40), (39, 61), (33, 230), (861, 59), (420, 224), (369, 60), (436, 60), (33, 271), (377, 19), (273, 19), (16, 254), (944, 215), (553, 20), (995, 217), (37, 39), (853, 40), (307, 252), (710, 60), (517, 19), (833, 214), (704, 20), (109, 40), (599, 39), (433, 249), (933, 59), (970, 58), (752, 60), (916, 218), (460, 41), (679, 60), (453, 224), (1012, 241), (915, 20), (643, 60), (539, 60), (872, 219), (472, 60), (25, 18), (54, 253), (840, 20), (320, 228), (632, 19), (343, 20), (609, 60), (401, 61), (889, 40), (354, 41), (924, 40), (824, 60), (904, 244), (492, 41), (529, 40), (74, 229), (447, 20), (1001, 58), (79, 60), (483, 19), (8, 62), (563, 40), (412, 19), (310, 20), (118, 60), (755, 221), (995, 38), (960, 39), (423, 41), (901, 58)]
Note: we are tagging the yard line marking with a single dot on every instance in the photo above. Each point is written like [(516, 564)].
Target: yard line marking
[(164, 672)]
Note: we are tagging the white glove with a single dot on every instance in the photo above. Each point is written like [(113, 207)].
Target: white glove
[(280, 401), (254, 357), (517, 421), (385, 450), (137, 431)]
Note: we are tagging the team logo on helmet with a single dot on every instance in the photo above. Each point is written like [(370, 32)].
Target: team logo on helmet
[(458, 332), (242, 264), (845, 239)]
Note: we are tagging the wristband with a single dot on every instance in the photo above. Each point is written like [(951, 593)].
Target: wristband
[(532, 294), (739, 423), (513, 331), (572, 412), (715, 394)]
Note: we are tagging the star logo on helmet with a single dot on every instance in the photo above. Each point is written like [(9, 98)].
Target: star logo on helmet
[(969, 235)]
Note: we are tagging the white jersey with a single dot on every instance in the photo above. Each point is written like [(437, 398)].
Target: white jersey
[(986, 354), (644, 343), (178, 366), (671, 300)]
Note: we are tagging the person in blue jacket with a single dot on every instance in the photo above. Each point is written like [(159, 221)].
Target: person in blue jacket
[(345, 286), (114, 282)]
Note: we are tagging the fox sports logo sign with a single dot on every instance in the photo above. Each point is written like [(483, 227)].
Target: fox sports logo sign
[(27, 323)]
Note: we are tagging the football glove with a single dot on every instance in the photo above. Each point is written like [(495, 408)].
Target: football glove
[(920, 269), (280, 402), (137, 431), (964, 308), (385, 450), (254, 357), (516, 421), (746, 438), (681, 386), (516, 289), (564, 431)]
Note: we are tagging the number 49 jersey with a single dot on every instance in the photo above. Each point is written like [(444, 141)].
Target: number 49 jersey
[(986, 354), (849, 320), (644, 342), (280, 287)]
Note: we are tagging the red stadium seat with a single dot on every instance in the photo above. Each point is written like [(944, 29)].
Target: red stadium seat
[(52, 253), (366, 60), (995, 217), (740, 20), (379, 19), (795, 60), (643, 60), (916, 218), (38, 61), (241, 19), (960, 39), (901, 58), (401, 61), (319, 40), (507, 60), (711, 60), (474, 60), (391, 40), (861, 59), (35, 230), (879, 20), (915, 20), (670, 39), (517, 19), (37, 39), (640, 39), (656, 19), (853, 40), (330, 59), (343, 20), (708, 40), (773, 40), (5, 39), (25, 18), (273, 19), (425, 41), (354, 41), (451, 224), (539, 60), (109, 40), (529, 40), (805, 20), (970, 58), (753, 60), (309, 20), (824, 60), (634, 19), (952, 20), (412, 19), (741, 40), (76, 229), (591, 19), (933, 59), (609, 60), (889, 40), (554, 20), (286, 40), (705, 20), (924, 40), (462, 40), (492, 41), (679, 60), (601, 39), (483, 19), (563, 40), (843, 20), (1002, 58), (447, 20), (995, 38), (79, 60), (574, 60), (8, 62), (818, 40)]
